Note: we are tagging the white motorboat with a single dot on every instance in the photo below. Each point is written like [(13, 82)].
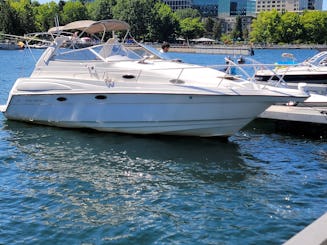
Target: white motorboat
[(131, 88), (312, 71)]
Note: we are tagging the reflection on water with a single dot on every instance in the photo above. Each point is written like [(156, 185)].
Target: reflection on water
[(124, 186), (60, 148)]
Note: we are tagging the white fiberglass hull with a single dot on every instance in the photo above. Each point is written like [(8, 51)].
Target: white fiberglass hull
[(193, 115)]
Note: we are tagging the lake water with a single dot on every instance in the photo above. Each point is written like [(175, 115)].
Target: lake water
[(60, 186)]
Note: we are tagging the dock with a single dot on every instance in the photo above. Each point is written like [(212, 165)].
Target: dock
[(314, 234), (304, 114), (235, 49), (212, 49)]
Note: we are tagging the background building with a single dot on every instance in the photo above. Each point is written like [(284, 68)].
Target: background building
[(178, 4), (207, 8), (236, 7), (228, 10), (288, 5)]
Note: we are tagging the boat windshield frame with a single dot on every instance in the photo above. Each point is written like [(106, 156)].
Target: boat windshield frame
[(111, 51), (319, 59)]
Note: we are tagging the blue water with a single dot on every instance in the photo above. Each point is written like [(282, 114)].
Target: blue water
[(60, 186)]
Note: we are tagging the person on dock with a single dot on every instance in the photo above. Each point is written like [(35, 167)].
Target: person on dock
[(251, 50)]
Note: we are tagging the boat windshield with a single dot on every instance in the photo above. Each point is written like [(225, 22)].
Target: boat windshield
[(155, 52), (112, 50), (319, 59)]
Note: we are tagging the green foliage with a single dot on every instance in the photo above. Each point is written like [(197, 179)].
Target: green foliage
[(73, 11), (216, 30), (265, 27), (290, 27), (227, 39), (191, 27), (25, 13), (138, 13), (187, 13), (45, 15), (237, 33), (8, 18), (212, 28), (208, 25), (314, 26), (164, 24), (101, 9)]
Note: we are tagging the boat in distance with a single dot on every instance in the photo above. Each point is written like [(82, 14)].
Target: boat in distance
[(127, 87), (312, 71)]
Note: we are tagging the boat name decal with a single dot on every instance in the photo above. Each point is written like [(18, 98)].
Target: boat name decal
[(109, 82)]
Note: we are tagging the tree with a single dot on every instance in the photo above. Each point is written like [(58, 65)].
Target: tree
[(226, 39), (138, 13), (314, 26), (101, 9), (8, 18), (290, 28), (216, 29), (73, 11), (45, 15), (191, 27), (25, 15), (189, 22), (237, 33), (265, 27), (208, 25), (61, 5), (164, 24), (246, 34), (187, 13)]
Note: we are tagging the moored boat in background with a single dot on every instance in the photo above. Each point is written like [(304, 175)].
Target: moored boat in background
[(312, 71), (11, 44)]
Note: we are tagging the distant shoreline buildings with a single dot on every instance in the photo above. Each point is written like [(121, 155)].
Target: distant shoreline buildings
[(228, 10)]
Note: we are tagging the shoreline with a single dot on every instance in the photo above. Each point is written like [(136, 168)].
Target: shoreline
[(238, 49)]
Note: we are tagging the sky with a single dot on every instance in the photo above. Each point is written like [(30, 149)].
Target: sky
[(324, 4)]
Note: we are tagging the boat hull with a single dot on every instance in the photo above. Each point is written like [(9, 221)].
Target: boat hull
[(171, 114)]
